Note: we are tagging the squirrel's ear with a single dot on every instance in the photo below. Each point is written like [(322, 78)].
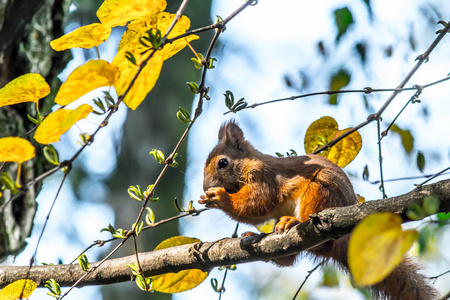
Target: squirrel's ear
[(230, 133)]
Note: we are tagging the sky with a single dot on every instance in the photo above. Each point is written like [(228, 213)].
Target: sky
[(260, 46)]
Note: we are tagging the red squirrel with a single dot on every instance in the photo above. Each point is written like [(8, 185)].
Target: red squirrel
[(252, 187)]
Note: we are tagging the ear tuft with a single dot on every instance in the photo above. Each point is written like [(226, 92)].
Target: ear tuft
[(232, 135)]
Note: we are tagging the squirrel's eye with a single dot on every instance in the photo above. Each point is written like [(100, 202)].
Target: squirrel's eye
[(223, 163)]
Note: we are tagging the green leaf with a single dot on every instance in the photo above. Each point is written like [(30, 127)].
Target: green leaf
[(420, 160), (431, 205), (406, 136), (229, 99), (183, 115), (443, 218), (54, 288), (38, 119), (240, 105), (343, 19), (426, 235), (150, 216), (138, 228), (8, 183), (198, 61), (110, 229), (51, 155), (119, 234), (136, 193), (214, 284), (83, 262), (415, 212), (361, 49), (366, 173), (159, 156), (369, 8), (211, 63), (193, 87), (177, 206), (337, 82), (143, 283)]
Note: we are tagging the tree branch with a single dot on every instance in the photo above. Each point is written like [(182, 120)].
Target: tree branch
[(326, 225)]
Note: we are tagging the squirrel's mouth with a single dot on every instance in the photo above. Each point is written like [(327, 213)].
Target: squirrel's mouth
[(231, 189)]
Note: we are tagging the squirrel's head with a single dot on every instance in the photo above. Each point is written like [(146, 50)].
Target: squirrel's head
[(225, 163)]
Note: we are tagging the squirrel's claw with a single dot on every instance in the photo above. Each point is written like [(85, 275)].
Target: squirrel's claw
[(286, 223), (213, 196)]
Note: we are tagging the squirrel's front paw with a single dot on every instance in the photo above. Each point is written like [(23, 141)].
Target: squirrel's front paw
[(286, 223), (214, 196)]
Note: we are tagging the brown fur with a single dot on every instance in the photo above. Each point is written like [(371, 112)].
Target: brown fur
[(254, 187)]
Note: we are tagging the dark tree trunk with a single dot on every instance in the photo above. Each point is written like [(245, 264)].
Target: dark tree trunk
[(26, 29)]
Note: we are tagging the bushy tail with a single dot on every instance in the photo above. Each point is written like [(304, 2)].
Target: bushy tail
[(404, 283)]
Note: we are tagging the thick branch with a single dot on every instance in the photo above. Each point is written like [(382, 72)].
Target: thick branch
[(324, 226)]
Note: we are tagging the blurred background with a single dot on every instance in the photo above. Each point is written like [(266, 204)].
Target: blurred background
[(273, 50)]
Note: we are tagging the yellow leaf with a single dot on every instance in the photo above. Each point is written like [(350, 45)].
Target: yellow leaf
[(84, 37), (324, 130), (346, 149), (319, 133), (144, 82), (15, 149), (267, 227), (27, 88), (150, 73), (183, 280), (119, 12), (85, 78), (20, 287), (377, 246), (58, 122)]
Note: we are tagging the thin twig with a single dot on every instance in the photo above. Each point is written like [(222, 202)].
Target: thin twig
[(380, 160), (412, 99), (306, 278), (410, 178), (434, 176), (437, 276), (33, 258), (366, 90)]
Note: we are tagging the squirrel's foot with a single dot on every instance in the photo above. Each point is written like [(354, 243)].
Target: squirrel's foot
[(286, 223), (248, 233), (213, 196)]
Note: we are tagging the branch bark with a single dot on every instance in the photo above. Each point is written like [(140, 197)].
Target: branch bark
[(323, 226)]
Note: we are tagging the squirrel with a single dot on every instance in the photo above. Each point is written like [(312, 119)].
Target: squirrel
[(252, 187)]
